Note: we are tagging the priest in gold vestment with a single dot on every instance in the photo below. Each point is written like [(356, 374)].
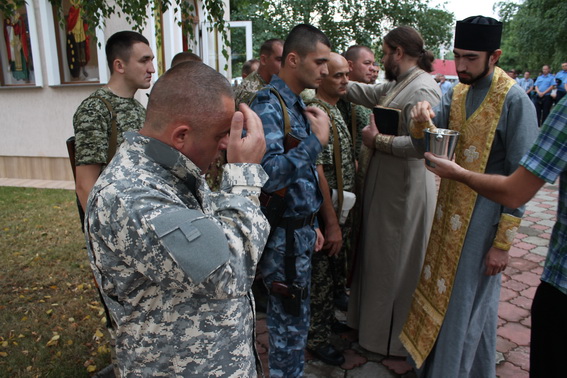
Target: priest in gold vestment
[(451, 327)]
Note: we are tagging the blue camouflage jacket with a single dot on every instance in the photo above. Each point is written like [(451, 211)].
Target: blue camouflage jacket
[(296, 168)]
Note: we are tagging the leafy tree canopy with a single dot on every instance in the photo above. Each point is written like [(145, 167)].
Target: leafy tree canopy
[(346, 22), (534, 34), (135, 12)]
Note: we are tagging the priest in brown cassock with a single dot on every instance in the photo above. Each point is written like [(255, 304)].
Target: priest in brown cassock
[(398, 197)]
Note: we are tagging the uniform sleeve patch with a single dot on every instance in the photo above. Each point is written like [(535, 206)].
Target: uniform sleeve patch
[(196, 243)]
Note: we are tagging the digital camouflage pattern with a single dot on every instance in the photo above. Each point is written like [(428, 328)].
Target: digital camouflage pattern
[(362, 114), (295, 170), (327, 158), (248, 88), (175, 262), (327, 271), (92, 124)]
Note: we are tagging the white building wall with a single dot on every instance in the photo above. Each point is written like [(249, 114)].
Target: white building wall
[(36, 121)]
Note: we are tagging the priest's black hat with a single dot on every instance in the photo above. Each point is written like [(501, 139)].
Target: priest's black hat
[(478, 33)]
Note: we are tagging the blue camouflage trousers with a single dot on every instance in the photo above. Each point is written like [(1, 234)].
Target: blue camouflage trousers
[(287, 333)]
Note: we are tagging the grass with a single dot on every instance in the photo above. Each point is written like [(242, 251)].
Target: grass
[(52, 322)]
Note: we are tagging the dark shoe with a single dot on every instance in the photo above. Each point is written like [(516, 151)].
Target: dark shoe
[(329, 355), (340, 327), (341, 301)]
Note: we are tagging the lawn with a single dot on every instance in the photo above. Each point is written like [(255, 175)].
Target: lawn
[(52, 322)]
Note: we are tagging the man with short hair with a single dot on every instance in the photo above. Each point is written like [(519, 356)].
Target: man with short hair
[(130, 62), (361, 62), (451, 328), (527, 83), (336, 169), (270, 64), (375, 73), (444, 85), (561, 82), (174, 261), (398, 196), (544, 84), (545, 162), (286, 264), (250, 66), (185, 56)]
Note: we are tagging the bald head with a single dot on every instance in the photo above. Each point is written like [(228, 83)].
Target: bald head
[(333, 86), (179, 97)]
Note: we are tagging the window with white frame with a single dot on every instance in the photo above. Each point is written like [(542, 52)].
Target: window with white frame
[(18, 49), (76, 47), (72, 49)]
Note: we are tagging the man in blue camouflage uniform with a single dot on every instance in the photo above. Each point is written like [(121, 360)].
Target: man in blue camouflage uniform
[(304, 63), (335, 159), (174, 261)]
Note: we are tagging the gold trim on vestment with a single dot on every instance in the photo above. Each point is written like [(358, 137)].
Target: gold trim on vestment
[(453, 213), (507, 229)]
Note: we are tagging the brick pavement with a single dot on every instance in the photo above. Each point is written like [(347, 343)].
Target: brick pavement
[(519, 282)]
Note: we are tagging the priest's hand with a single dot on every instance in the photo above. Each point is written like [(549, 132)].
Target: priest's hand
[(422, 112), (495, 261), (369, 133)]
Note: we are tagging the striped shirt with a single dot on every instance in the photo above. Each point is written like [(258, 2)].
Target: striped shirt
[(547, 159)]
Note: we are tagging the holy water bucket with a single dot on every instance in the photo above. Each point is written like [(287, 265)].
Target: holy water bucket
[(441, 143)]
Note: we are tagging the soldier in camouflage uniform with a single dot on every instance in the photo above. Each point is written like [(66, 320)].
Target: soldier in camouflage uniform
[(336, 236), (175, 261), (361, 62), (130, 62), (270, 64), (287, 256)]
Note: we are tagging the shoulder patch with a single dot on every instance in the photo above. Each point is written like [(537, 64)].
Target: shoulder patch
[(196, 243)]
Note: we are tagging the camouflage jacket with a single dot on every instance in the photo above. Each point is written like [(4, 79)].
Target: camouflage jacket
[(294, 169), (362, 115), (92, 123), (175, 262), (327, 158), (248, 88)]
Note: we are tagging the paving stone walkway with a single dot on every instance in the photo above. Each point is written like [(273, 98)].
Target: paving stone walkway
[(519, 282)]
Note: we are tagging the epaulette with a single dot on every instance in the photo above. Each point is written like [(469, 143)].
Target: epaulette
[(263, 95)]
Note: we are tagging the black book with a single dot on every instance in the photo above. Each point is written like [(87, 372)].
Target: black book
[(387, 120)]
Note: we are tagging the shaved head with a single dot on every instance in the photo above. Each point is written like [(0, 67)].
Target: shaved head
[(180, 97)]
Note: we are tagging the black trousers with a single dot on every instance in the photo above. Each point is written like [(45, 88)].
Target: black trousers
[(548, 343), (542, 107)]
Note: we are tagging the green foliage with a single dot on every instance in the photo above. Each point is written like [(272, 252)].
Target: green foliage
[(135, 12), (345, 22), (534, 34), (8, 7)]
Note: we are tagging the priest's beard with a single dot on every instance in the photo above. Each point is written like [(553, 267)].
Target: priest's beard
[(474, 78)]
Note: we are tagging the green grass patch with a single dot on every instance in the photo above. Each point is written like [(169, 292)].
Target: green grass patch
[(52, 320)]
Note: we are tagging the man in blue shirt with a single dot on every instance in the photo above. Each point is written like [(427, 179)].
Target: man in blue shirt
[(543, 87), (527, 84), (561, 82), (286, 263), (545, 162)]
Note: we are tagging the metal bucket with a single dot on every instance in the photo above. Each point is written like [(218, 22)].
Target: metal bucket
[(441, 143)]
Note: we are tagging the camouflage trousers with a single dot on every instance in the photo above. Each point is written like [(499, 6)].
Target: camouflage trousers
[(328, 278), (287, 333)]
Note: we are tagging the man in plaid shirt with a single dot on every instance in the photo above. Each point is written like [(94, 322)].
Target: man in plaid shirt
[(546, 160)]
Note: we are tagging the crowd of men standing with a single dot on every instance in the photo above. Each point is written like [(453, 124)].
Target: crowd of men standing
[(547, 90), (306, 135)]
